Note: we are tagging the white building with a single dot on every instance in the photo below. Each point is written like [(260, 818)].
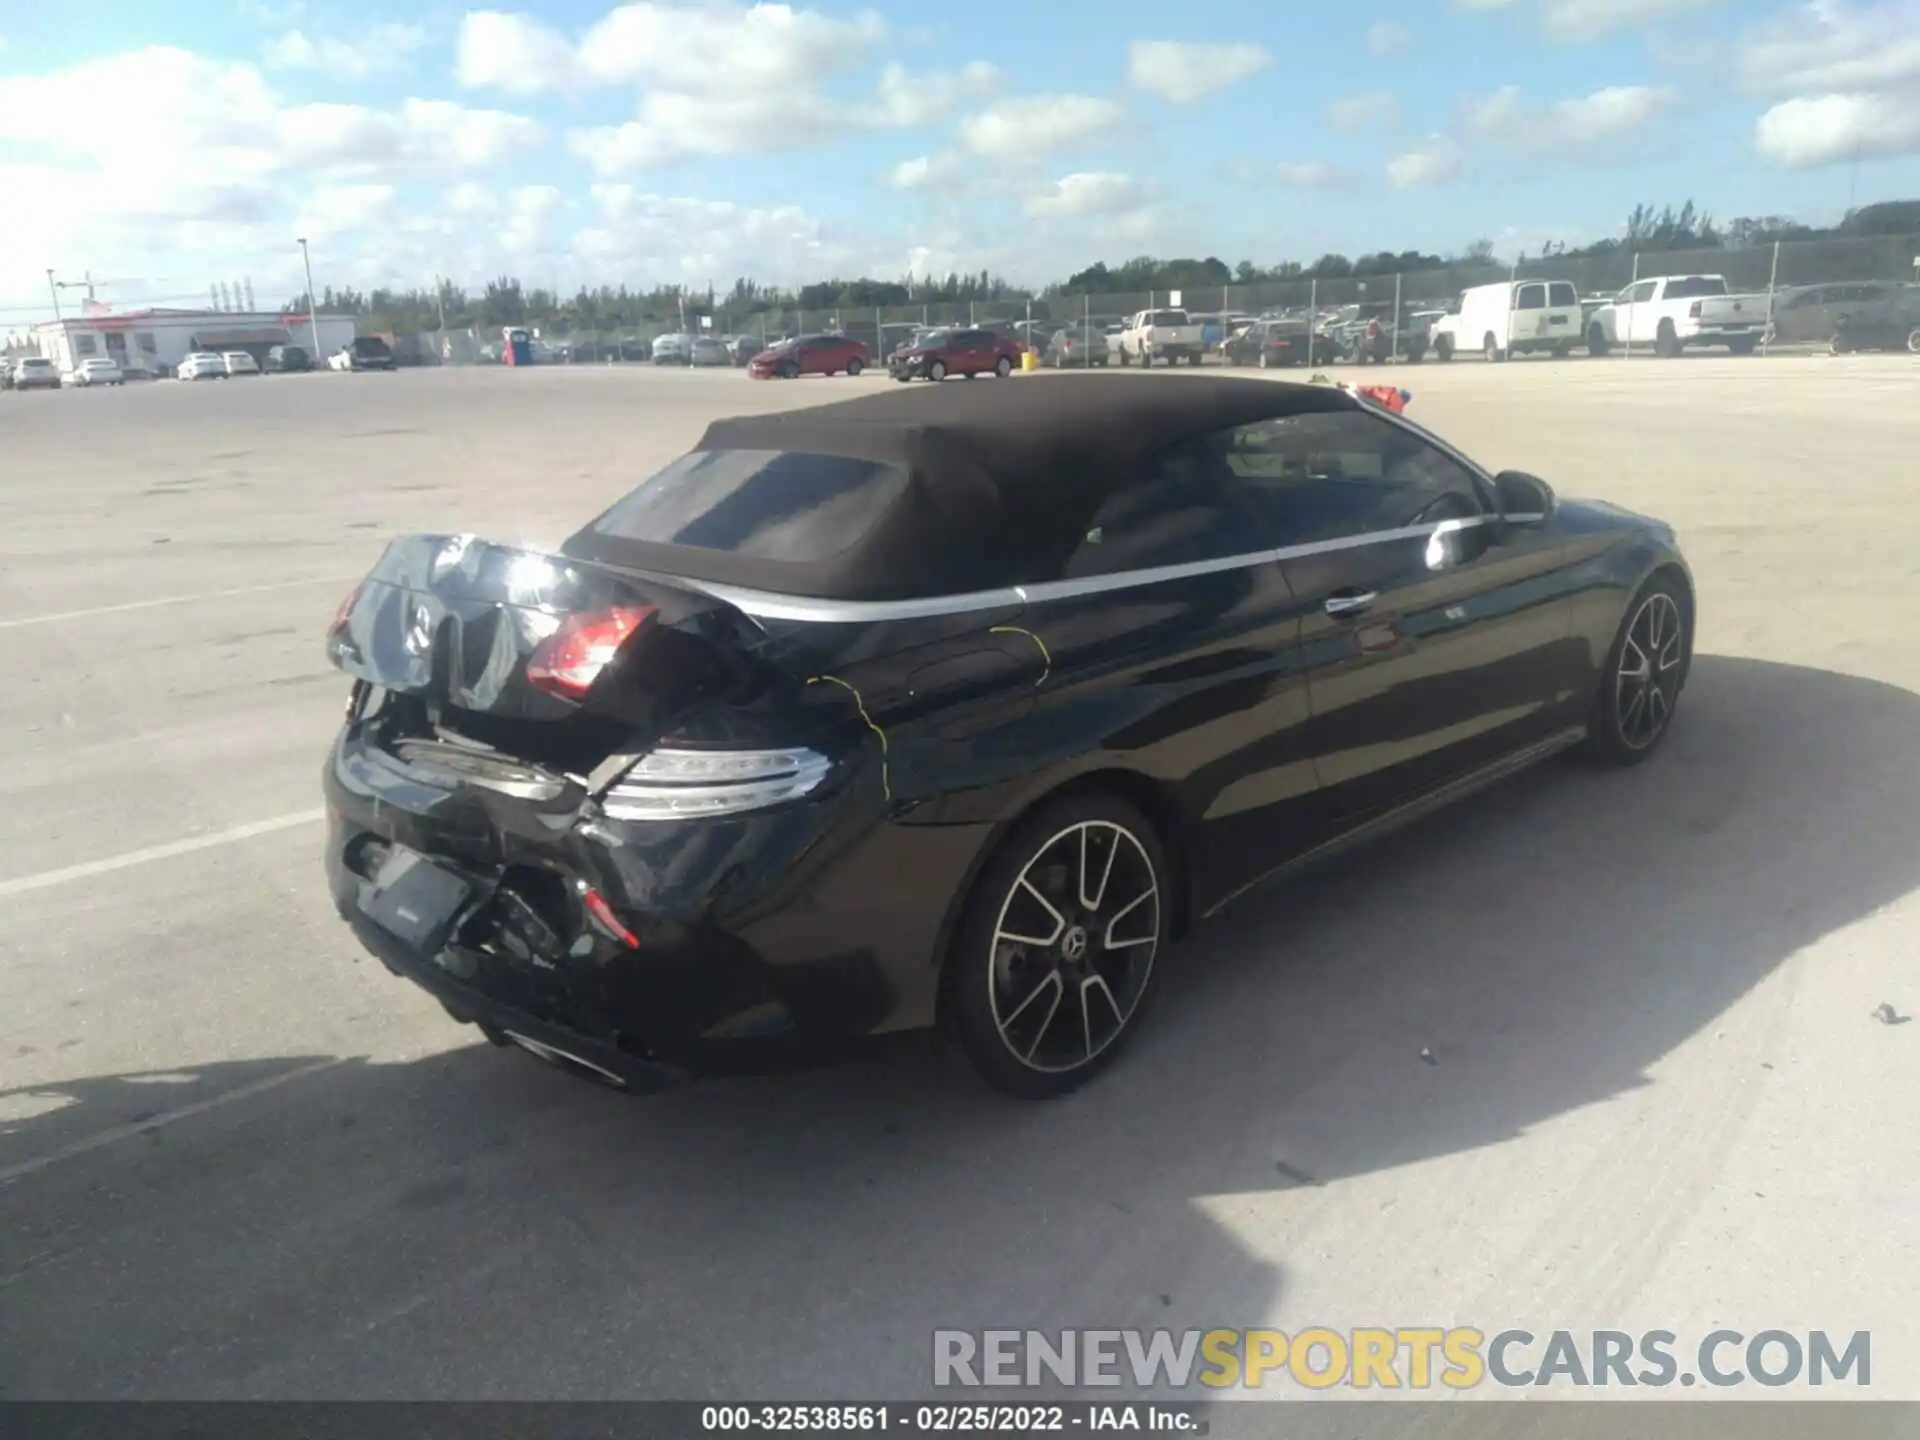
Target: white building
[(161, 339)]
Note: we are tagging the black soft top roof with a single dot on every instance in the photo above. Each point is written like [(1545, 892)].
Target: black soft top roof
[(1002, 477)]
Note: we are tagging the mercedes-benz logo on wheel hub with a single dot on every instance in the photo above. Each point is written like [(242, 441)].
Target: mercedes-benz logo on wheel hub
[(1073, 944)]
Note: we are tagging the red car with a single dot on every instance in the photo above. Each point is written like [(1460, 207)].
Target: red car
[(957, 352), (810, 355)]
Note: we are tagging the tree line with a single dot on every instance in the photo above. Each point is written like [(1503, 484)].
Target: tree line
[(505, 301)]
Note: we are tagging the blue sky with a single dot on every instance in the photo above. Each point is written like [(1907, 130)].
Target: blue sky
[(166, 147)]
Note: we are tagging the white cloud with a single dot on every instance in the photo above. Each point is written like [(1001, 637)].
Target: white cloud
[(1578, 21), (718, 49), (1354, 114), (923, 171), (423, 136), (217, 163), (1568, 125), (1386, 36), (650, 238), (1184, 72), (672, 127), (1312, 175), (1835, 48), (906, 99), (383, 50), (717, 78), (1829, 129), (501, 51), (1433, 162), (1085, 193), (1035, 124)]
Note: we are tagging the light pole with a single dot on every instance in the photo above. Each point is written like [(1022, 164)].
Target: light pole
[(58, 319), (313, 315)]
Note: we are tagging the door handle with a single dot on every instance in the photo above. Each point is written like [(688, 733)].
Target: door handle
[(1350, 602)]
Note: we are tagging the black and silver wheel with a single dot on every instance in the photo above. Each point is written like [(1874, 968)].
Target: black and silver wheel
[(1054, 960), (1003, 367), (1645, 672), (854, 367)]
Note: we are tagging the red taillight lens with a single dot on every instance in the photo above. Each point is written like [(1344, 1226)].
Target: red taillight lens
[(568, 661), (346, 609)]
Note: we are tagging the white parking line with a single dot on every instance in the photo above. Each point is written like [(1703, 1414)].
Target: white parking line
[(87, 614), (11, 1173), (88, 869)]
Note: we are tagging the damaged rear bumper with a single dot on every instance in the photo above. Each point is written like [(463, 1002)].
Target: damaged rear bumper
[(506, 1024), (649, 952)]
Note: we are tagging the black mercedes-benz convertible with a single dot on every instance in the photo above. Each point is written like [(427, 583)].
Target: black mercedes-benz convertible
[(956, 706)]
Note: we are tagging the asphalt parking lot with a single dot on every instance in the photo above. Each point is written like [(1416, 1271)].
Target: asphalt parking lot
[(237, 1159)]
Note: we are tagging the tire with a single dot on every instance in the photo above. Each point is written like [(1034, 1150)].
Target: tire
[(1656, 637), (1666, 341), (1443, 349), (937, 370), (854, 367), (1742, 347), (1266, 360), (990, 980), (1492, 351), (1125, 359), (1416, 355), (1839, 346), (789, 371), (1563, 350), (1003, 368), (1597, 345), (1913, 341)]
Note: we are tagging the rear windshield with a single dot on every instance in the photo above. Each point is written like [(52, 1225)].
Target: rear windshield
[(1167, 317), (758, 504), (366, 345), (1692, 287), (1561, 292)]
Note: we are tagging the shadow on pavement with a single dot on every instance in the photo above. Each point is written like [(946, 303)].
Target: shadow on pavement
[(474, 1225)]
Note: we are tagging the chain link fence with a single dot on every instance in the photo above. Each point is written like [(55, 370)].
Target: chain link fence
[(1776, 270)]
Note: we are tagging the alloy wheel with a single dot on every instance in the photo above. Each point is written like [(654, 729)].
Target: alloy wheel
[(1648, 680), (1073, 946)]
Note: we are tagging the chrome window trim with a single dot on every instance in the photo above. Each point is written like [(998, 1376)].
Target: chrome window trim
[(770, 605)]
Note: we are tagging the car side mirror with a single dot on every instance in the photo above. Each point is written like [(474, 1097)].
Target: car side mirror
[(1523, 499)]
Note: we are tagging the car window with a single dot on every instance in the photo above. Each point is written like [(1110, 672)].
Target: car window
[(1694, 287), (1561, 293), (1641, 293), (1806, 299), (1332, 476), (1531, 297), (1185, 508), (758, 504)]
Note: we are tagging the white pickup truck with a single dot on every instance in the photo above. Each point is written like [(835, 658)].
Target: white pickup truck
[(1170, 335), (1675, 311)]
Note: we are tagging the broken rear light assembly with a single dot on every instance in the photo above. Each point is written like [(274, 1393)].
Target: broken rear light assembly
[(345, 611), (568, 661)]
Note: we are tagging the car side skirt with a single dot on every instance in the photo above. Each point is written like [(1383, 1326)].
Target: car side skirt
[(1414, 810)]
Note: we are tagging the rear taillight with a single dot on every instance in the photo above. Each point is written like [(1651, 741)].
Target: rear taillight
[(568, 661), (685, 784), (341, 615), (1693, 311)]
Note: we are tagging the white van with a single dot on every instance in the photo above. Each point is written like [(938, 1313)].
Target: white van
[(1511, 318)]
